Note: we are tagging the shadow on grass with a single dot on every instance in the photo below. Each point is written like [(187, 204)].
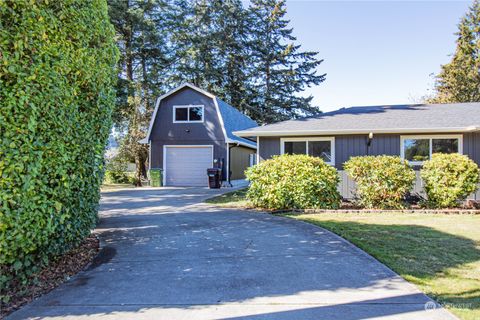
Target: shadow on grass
[(234, 197), (420, 254)]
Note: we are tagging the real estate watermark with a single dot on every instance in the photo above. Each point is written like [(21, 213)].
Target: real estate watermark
[(431, 305)]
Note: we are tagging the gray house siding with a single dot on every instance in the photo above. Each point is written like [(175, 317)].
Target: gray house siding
[(356, 145), (347, 146), (165, 132), (471, 146)]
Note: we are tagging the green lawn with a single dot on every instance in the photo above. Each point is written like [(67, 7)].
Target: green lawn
[(234, 199), (439, 253)]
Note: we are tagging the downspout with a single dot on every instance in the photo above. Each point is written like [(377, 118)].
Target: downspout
[(228, 165)]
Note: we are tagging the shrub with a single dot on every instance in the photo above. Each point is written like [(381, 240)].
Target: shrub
[(57, 72), (117, 177), (116, 171), (293, 181), (448, 179), (382, 181)]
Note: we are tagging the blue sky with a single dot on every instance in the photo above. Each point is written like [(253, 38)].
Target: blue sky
[(376, 52)]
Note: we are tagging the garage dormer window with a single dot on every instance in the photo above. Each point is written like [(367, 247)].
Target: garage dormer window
[(190, 113)]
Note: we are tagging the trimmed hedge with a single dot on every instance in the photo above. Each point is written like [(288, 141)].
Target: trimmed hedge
[(293, 182), (57, 72), (448, 179), (382, 181)]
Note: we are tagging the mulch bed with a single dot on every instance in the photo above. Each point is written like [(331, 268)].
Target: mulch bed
[(470, 207), (58, 271)]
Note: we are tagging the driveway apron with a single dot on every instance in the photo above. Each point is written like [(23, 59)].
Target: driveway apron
[(165, 255)]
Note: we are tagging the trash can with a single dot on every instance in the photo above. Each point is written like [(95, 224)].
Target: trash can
[(214, 178), (156, 177)]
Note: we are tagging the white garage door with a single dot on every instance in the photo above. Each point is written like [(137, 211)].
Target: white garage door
[(187, 166)]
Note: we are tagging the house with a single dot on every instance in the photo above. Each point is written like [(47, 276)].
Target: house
[(192, 130), (412, 132)]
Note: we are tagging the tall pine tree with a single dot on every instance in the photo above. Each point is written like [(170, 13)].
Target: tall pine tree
[(281, 70), (213, 51), (459, 80), (143, 39)]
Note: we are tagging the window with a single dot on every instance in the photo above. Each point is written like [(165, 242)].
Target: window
[(417, 149), (187, 113), (316, 147)]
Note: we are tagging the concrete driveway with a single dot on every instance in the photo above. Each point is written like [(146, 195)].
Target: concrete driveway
[(167, 256)]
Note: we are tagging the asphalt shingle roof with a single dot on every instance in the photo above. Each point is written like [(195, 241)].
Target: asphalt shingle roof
[(234, 120), (395, 118)]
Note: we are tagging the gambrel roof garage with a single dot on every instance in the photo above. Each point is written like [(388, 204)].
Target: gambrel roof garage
[(192, 130)]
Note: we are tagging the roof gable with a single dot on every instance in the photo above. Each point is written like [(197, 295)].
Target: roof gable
[(230, 118), (234, 120)]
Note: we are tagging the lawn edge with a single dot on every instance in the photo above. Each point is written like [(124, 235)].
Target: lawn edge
[(369, 256)]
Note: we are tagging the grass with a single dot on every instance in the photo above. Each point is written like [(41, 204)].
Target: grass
[(439, 253), (234, 199)]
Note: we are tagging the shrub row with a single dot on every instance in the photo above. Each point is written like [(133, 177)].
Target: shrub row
[(300, 181), (57, 73)]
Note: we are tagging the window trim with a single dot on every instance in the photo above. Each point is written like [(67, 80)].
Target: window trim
[(306, 140), (430, 137), (188, 106)]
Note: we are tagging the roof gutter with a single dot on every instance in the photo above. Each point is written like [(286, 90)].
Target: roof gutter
[(241, 143), (253, 133)]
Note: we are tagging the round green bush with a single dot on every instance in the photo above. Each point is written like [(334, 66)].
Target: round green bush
[(382, 181), (293, 182), (448, 179), (57, 75)]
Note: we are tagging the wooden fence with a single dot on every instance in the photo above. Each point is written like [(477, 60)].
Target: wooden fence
[(347, 186)]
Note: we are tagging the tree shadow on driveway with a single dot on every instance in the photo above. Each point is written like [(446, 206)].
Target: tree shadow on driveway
[(210, 263)]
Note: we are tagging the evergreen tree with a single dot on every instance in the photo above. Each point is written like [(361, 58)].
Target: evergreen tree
[(143, 39), (246, 56), (213, 50), (281, 69), (459, 80)]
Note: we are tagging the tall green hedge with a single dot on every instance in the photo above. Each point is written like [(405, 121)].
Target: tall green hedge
[(57, 71)]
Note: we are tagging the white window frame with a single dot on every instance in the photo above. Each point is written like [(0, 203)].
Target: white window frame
[(430, 147), (188, 113), (306, 140)]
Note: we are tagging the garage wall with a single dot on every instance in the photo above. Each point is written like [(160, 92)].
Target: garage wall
[(165, 132), (239, 161)]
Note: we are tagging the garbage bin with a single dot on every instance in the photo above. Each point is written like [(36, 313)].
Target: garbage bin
[(156, 179), (214, 178)]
